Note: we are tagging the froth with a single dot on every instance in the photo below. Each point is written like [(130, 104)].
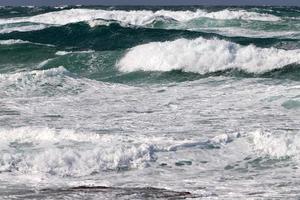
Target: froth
[(37, 73), (53, 81), (66, 152), (205, 56), (276, 145), (75, 161)]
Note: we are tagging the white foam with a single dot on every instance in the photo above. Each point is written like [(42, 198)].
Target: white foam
[(276, 146), (37, 73), (48, 135), (11, 41), (139, 17), (37, 82), (44, 153), (62, 53), (76, 161), (42, 134), (204, 56), (18, 41), (69, 153), (98, 22), (23, 28)]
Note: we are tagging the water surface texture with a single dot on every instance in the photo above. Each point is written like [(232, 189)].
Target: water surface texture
[(149, 103)]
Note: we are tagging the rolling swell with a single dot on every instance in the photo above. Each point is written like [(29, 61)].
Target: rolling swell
[(80, 36), (112, 42), (101, 66)]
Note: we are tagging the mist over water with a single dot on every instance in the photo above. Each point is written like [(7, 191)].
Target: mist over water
[(149, 102)]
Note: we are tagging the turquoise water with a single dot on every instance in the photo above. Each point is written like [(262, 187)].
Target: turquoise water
[(149, 102)]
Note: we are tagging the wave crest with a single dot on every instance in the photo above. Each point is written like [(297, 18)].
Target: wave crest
[(205, 56)]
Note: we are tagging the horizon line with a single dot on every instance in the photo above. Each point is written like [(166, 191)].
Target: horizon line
[(215, 5)]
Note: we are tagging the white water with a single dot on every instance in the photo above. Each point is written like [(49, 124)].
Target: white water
[(176, 136), (10, 42), (146, 18), (50, 152), (141, 17), (26, 28), (59, 129), (205, 56), (36, 83), (276, 145)]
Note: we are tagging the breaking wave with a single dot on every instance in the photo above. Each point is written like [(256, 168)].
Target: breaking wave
[(276, 146), (70, 153), (205, 56)]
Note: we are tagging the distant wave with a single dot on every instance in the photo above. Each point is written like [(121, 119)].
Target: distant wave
[(81, 36), (227, 22), (137, 17)]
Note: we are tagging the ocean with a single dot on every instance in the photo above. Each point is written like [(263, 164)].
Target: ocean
[(192, 102)]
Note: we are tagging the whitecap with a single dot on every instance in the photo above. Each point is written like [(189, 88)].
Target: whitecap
[(205, 56)]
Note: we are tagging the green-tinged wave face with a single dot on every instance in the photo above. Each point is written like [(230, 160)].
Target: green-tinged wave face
[(80, 36), (103, 66), (152, 44)]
